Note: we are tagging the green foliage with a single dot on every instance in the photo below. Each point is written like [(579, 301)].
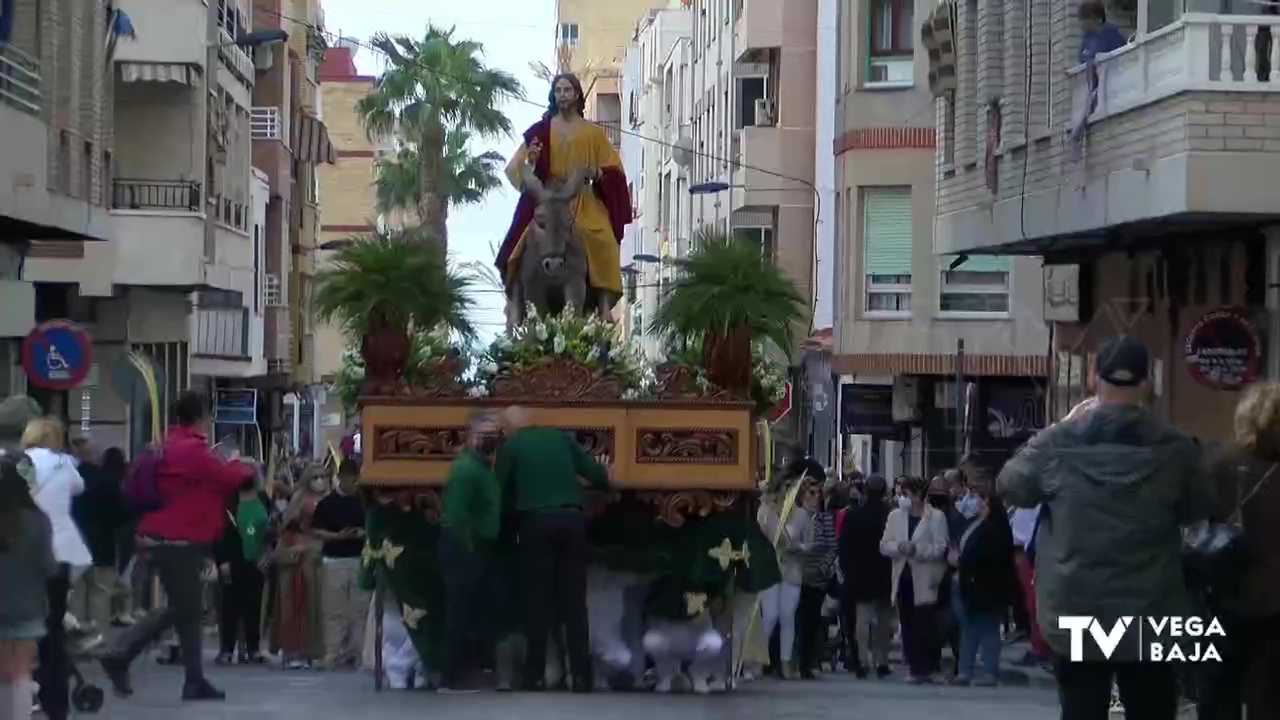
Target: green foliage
[(587, 340), (724, 285), (426, 349), (768, 372), (467, 177), (399, 277)]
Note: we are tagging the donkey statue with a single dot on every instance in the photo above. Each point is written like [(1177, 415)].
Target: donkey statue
[(552, 272)]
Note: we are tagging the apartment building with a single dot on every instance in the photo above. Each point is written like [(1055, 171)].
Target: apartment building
[(289, 141), (903, 314), (1142, 179), (56, 138), (594, 35), (656, 101)]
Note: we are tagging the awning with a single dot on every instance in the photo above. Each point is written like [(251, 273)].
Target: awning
[(158, 72), (311, 140)]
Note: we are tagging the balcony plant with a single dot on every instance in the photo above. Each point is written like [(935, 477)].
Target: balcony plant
[(382, 289), (727, 299)]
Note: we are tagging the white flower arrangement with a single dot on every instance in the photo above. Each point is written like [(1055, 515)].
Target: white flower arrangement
[(427, 347), (588, 340)]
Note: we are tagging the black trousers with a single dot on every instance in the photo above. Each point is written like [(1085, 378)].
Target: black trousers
[(921, 631), (240, 613), (849, 627), (179, 568), (1249, 675), (1149, 691), (52, 649), (553, 546), (464, 573), (810, 631)]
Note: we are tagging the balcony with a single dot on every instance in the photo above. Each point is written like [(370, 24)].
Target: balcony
[(759, 26), (613, 131), (161, 195), (1179, 126), (264, 123), (19, 80)]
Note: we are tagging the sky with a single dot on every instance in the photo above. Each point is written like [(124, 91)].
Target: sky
[(514, 33)]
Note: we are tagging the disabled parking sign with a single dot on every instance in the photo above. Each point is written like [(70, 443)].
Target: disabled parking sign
[(57, 355)]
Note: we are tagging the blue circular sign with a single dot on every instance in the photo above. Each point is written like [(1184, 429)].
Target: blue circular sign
[(56, 355)]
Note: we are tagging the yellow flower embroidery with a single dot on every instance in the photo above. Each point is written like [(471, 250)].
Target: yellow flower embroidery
[(391, 553), (412, 616), (695, 603), (726, 555), (368, 556)]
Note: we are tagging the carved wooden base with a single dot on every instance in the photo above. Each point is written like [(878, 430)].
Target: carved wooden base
[(672, 507)]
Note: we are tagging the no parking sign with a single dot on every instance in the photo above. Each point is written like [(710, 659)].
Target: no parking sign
[(57, 355)]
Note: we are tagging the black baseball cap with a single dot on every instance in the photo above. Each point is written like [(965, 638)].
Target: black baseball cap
[(1123, 361)]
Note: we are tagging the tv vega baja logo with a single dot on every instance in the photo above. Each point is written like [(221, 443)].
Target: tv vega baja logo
[(1149, 639)]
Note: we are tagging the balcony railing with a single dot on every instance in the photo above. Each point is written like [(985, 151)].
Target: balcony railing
[(19, 80), (155, 195), (1198, 52), (222, 332), (613, 131), (264, 123)]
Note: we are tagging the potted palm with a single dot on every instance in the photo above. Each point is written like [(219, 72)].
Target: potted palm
[(728, 298), (381, 289)]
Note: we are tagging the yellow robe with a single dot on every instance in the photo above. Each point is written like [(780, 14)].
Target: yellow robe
[(585, 146)]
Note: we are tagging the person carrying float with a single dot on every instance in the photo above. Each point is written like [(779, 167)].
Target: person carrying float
[(555, 146)]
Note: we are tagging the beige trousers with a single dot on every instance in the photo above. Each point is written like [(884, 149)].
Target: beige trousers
[(97, 597), (345, 608)]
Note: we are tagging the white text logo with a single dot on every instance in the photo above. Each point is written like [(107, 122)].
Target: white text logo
[(1149, 639)]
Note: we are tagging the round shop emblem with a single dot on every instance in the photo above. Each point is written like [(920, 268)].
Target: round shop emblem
[(1223, 349)]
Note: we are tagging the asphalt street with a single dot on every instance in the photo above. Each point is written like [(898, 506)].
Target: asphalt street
[(271, 693)]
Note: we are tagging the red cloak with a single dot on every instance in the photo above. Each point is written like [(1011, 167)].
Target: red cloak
[(610, 187)]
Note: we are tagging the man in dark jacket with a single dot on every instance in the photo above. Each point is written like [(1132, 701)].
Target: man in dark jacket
[(1116, 484), (194, 484), (868, 577), (100, 513)]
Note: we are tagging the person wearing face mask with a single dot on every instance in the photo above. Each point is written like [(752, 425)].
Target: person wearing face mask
[(469, 522), (296, 620), (916, 540), (985, 587), (240, 555), (940, 499)]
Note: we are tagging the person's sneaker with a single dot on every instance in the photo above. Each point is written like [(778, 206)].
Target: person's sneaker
[(253, 659), (985, 682), (223, 659), (200, 691), (918, 680), (883, 671), (86, 644), (123, 621), (1117, 707), (959, 681), (117, 672)]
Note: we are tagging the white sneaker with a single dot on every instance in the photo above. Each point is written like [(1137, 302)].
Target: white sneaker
[(1117, 707), (701, 686), (664, 685)]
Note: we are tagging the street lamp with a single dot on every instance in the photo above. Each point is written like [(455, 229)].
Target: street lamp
[(258, 38), (334, 244), (646, 258)]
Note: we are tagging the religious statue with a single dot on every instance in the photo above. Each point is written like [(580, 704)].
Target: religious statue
[(574, 204)]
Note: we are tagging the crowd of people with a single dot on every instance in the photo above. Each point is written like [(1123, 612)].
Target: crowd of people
[(1103, 511)]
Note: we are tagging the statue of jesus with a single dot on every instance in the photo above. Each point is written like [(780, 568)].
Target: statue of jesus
[(562, 141)]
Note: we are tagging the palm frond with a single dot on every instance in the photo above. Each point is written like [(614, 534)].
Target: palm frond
[(724, 285), (399, 276)]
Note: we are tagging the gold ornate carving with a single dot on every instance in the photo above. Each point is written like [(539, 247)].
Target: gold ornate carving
[(675, 508), (677, 381), (438, 379), (558, 378), (427, 501), (687, 446), (597, 441), (440, 443)]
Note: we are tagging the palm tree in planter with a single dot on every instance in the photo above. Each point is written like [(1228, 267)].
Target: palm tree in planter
[(728, 296), (434, 86), (383, 287)]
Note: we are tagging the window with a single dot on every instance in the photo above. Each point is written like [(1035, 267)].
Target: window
[(569, 34), (886, 250), (892, 30), (980, 285), (759, 236), (750, 89)]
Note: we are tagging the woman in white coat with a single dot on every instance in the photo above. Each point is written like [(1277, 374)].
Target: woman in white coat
[(916, 539), (56, 482), (778, 603)]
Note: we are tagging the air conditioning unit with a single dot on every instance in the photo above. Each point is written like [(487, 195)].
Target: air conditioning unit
[(766, 114)]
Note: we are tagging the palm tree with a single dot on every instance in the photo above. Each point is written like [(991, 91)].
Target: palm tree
[(433, 86), (381, 288), (728, 297), (467, 177)]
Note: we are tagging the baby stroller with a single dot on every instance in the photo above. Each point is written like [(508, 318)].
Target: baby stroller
[(85, 696)]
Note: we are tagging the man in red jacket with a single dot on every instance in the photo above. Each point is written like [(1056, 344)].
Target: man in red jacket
[(194, 484)]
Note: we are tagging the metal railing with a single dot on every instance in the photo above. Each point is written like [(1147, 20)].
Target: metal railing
[(222, 332), (613, 131), (19, 80), (155, 195), (264, 123)]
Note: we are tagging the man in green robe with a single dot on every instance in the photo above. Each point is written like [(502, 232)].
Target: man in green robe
[(469, 528)]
